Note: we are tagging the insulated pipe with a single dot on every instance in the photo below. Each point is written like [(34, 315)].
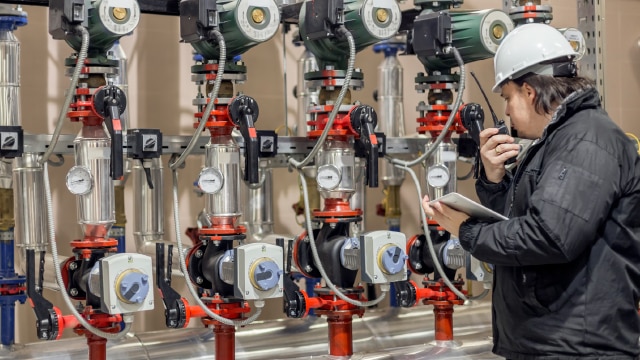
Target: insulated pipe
[(148, 204), (359, 199), (10, 19), (258, 207), (223, 207), (148, 228), (96, 210), (118, 231), (306, 96)]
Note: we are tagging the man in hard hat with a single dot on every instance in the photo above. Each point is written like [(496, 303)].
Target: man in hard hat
[(567, 262)]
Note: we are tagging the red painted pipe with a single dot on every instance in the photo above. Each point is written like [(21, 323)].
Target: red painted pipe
[(97, 347), (443, 322), (225, 341), (340, 336)]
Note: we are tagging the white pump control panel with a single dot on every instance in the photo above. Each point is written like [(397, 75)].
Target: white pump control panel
[(383, 258), (258, 271), (127, 283)]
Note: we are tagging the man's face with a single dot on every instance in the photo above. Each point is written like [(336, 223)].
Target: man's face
[(519, 108)]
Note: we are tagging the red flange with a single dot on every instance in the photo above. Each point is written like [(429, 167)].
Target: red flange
[(339, 315), (336, 208)]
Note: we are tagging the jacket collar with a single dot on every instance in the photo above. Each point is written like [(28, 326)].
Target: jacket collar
[(576, 101)]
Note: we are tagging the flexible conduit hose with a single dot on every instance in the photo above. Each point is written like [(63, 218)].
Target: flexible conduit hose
[(316, 258), (174, 167), (212, 99), (405, 165), (298, 165), (334, 112), (183, 266), (127, 318), (425, 228), (82, 56), (452, 116)]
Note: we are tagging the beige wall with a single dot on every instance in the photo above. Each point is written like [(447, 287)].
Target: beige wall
[(161, 93)]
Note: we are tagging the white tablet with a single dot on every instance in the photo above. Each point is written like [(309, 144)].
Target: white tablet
[(469, 207)]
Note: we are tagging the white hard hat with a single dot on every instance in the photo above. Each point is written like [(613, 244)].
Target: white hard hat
[(530, 48)]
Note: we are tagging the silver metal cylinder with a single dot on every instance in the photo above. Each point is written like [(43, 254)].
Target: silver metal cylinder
[(96, 210), (9, 79), (306, 96), (148, 203), (258, 207), (359, 200), (391, 112), (120, 80), (223, 153), (9, 93), (440, 172), (29, 203), (6, 179), (340, 154)]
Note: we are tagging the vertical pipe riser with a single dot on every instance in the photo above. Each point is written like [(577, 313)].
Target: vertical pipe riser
[(96, 210), (148, 204), (31, 227), (225, 156), (9, 79), (340, 336), (225, 342)]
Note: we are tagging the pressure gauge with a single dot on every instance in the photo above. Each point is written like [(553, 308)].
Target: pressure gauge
[(210, 180), (79, 180), (576, 40), (381, 17), (438, 176), (120, 17), (328, 177), (258, 19), (494, 28)]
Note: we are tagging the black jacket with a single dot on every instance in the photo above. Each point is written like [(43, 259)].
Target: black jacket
[(567, 262)]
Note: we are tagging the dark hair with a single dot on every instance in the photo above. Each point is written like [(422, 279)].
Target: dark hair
[(552, 90)]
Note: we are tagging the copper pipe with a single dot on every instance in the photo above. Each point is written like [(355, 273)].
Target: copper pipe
[(97, 347), (225, 341), (443, 322), (340, 336)]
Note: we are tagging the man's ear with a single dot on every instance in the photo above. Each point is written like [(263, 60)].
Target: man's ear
[(529, 91)]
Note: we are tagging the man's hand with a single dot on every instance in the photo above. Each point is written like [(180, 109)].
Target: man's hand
[(446, 217), (495, 149)]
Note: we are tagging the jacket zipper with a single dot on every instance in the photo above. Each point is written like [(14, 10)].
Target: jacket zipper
[(518, 174)]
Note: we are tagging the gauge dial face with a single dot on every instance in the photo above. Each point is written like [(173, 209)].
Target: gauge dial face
[(576, 40), (494, 28), (79, 180), (258, 20), (328, 177), (381, 18), (119, 16), (210, 180), (438, 176)]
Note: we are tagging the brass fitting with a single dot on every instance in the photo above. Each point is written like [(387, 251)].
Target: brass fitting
[(314, 196), (391, 202), (7, 220), (121, 217)]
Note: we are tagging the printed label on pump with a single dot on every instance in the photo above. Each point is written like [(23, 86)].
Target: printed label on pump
[(449, 156), (381, 25), (127, 4), (99, 153), (269, 20)]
